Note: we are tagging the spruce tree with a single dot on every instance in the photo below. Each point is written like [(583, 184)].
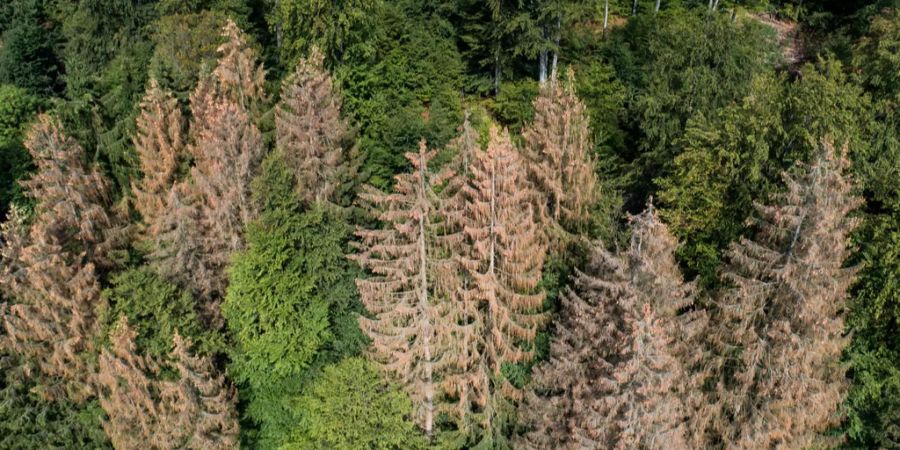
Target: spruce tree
[(618, 375), (558, 149), (310, 132), (291, 300), (51, 273), (129, 394), (501, 259), (408, 297), (780, 328), (159, 140)]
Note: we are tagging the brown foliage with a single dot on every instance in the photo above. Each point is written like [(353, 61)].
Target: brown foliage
[(160, 145), (617, 372), (558, 149), (129, 394), (195, 411), (502, 262), (780, 329), (204, 216), (409, 296), (310, 132), (51, 272)]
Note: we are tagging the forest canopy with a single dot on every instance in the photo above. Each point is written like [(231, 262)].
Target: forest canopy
[(463, 224)]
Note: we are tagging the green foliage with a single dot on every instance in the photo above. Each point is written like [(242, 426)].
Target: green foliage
[(513, 107), (28, 52), (677, 64), (28, 422), (350, 406), (17, 108), (156, 310), (184, 47), (291, 300)]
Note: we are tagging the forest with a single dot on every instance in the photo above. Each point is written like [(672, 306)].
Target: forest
[(450, 224)]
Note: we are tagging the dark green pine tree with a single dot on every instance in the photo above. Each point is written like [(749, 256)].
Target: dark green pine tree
[(27, 55), (291, 302)]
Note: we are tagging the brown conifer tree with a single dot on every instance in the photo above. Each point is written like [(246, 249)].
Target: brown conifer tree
[(129, 393), (159, 141), (502, 262), (51, 272), (558, 149), (201, 405), (310, 132), (196, 411), (409, 296), (781, 326), (205, 215), (617, 373), (238, 75)]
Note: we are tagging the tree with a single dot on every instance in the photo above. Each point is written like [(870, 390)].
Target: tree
[(206, 408), (160, 145), (781, 327), (502, 261), (291, 301), (28, 59), (618, 371), (409, 296), (558, 150), (310, 132), (51, 273), (194, 411), (128, 393), (207, 213), (17, 109), (353, 406), (156, 309)]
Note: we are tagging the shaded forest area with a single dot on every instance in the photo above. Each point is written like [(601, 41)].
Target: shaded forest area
[(368, 224)]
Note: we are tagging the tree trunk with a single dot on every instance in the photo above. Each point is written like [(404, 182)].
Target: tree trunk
[(605, 16), (657, 6), (542, 67), (556, 50), (497, 71), (634, 8), (423, 304)]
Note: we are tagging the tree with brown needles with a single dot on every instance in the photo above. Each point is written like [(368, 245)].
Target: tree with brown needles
[(780, 328), (203, 404), (310, 132), (205, 215), (558, 149), (409, 296), (129, 393), (238, 75), (159, 140), (51, 272), (617, 376), (502, 261), (196, 411)]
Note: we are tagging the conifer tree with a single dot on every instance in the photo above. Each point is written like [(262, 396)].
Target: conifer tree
[(558, 149), (207, 213), (129, 394), (195, 411), (160, 145), (781, 325), (238, 75), (502, 262), (204, 403), (617, 376), (51, 273), (310, 132), (408, 296)]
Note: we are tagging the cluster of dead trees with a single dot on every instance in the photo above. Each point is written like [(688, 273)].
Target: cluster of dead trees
[(639, 358)]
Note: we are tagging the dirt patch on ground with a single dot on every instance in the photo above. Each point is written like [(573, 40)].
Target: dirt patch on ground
[(789, 37)]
